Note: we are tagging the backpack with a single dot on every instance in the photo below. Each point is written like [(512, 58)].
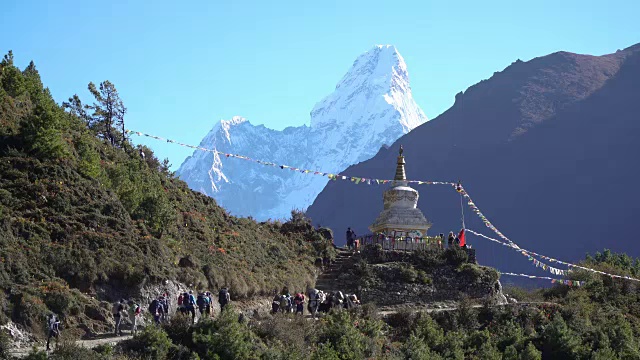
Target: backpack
[(186, 299), (138, 309), (321, 297), (222, 296), (180, 300), (284, 301), (153, 307), (200, 301)]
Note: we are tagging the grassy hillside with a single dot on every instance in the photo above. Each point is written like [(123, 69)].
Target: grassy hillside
[(80, 211), (599, 321)]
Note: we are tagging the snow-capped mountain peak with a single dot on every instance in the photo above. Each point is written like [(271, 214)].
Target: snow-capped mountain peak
[(377, 66), (371, 106)]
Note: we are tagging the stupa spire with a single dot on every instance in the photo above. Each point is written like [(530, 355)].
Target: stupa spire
[(400, 173)]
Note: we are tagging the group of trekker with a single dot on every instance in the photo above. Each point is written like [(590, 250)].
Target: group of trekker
[(159, 308), (203, 302), (130, 310), (456, 240), (317, 301)]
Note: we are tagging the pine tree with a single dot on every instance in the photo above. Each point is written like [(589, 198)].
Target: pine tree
[(560, 342), (76, 108), (530, 353), (108, 112)]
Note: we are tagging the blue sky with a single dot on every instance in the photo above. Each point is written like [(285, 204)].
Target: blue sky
[(182, 66)]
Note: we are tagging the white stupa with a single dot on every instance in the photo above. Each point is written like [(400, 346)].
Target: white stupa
[(401, 216)]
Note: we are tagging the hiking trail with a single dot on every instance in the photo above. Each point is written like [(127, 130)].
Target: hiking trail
[(329, 280), (101, 339)]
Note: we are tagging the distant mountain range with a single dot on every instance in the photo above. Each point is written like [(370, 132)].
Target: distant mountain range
[(548, 149), (371, 107)]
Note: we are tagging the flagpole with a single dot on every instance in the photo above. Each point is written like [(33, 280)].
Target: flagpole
[(461, 207)]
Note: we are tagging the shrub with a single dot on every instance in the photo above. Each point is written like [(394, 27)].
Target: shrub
[(72, 351), (374, 254), (151, 343), (471, 272), (424, 278), (225, 338), (5, 343), (456, 256), (408, 273), (428, 259), (179, 330)]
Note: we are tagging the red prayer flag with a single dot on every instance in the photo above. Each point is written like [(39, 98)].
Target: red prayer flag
[(461, 237)]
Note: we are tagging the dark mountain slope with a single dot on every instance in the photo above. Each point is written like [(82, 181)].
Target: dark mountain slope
[(547, 149)]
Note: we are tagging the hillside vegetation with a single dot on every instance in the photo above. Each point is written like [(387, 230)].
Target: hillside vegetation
[(599, 321), (81, 210)]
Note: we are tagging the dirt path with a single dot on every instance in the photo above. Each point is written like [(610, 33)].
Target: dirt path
[(386, 311), (91, 343)]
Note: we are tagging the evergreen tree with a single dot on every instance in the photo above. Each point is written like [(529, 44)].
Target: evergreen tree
[(530, 353), (560, 342), (510, 353), (76, 108), (108, 112)]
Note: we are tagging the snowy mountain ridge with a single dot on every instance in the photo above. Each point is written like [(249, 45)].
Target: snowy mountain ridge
[(371, 106)]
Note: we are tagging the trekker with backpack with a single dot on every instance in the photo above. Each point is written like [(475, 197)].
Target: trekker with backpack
[(181, 303), (164, 301), (299, 301), (189, 303), (314, 297), (224, 297), (118, 311), (134, 312), (285, 303), (156, 310), (275, 304), (54, 329), (351, 237), (208, 309), (203, 303)]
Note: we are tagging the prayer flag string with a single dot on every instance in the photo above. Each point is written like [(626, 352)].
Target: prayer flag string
[(457, 186)]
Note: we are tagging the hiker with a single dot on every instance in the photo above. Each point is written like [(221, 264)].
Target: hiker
[(299, 301), (275, 304), (189, 303), (348, 303), (312, 293), (134, 313), (164, 303), (53, 323), (450, 239), (203, 304), (182, 305), (142, 154), (223, 297), (315, 298), (156, 310), (118, 311), (285, 303), (351, 235), (209, 308), (338, 298)]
